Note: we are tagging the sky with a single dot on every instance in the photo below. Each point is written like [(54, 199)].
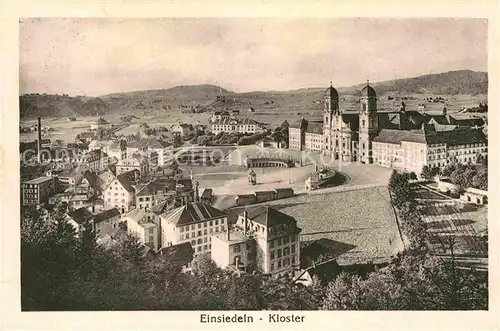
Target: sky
[(100, 56)]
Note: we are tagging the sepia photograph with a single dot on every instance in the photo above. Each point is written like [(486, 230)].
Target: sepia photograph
[(253, 164)]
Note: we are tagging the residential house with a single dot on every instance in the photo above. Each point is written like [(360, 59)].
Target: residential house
[(476, 196), (106, 221), (183, 129), (140, 223), (100, 124), (158, 151), (37, 191), (193, 222), (96, 160), (265, 239), (79, 218), (136, 162), (120, 193)]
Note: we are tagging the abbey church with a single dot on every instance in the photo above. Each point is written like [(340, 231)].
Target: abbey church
[(402, 139)]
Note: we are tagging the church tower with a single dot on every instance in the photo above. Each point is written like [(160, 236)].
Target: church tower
[(368, 123), (331, 110)]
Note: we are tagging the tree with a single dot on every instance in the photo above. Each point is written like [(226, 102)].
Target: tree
[(133, 251), (177, 140), (413, 176), (427, 172)]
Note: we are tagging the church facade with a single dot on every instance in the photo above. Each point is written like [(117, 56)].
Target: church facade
[(343, 135), (404, 140)]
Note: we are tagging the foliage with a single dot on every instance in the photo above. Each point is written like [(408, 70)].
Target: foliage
[(428, 173), (465, 176)]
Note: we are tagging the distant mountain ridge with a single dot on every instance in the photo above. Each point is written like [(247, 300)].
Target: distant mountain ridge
[(449, 83)]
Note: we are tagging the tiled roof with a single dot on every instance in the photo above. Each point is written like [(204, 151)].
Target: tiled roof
[(396, 136), (300, 124), (457, 136), (268, 216), (165, 206), (147, 189), (194, 212), (39, 180), (239, 121), (314, 127), (127, 179), (80, 215), (102, 121), (106, 215), (149, 143)]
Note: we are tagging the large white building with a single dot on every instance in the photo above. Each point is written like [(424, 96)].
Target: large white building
[(157, 149), (120, 192), (263, 238), (194, 222), (233, 124), (388, 138)]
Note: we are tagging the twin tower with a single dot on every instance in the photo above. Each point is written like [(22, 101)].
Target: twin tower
[(348, 135)]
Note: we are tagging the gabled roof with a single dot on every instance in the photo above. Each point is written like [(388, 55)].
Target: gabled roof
[(165, 206), (179, 255), (194, 212), (80, 215), (268, 216), (314, 127), (127, 179), (300, 124), (101, 121), (397, 136), (106, 215), (149, 143), (146, 189)]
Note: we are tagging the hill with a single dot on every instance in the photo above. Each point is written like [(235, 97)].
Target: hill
[(447, 83), (47, 105), (463, 82)]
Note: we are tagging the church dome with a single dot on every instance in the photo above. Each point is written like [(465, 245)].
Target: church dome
[(331, 92), (368, 92)]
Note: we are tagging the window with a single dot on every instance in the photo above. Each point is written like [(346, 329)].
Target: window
[(249, 247), (205, 225), (279, 253), (211, 230), (192, 227), (205, 232), (193, 242), (286, 240), (193, 234), (216, 229), (286, 251), (199, 225), (199, 233), (293, 259), (216, 222), (272, 255), (236, 248), (205, 240), (279, 264), (198, 249), (181, 237), (199, 241), (272, 266), (205, 247), (211, 223), (181, 230), (222, 228), (221, 221), (293, 248), (187, 235)]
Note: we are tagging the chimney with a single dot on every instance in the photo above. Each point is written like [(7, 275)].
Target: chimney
[(228, 232), (39, 143), (245, 217), (445, 111)]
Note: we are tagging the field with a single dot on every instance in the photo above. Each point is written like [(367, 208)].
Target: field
[(361, 223)]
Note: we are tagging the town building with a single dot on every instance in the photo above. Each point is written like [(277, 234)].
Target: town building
[(193, 222), (179, 256), (136, 162), (100, 124), (411, 150), (106, 222), (263, 239), (140, 223), (120, 192), (79, 218), (183, 129), (233, 124), (37, 191), (96, 160), (150, 147)]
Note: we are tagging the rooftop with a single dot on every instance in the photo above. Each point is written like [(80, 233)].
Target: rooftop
[(193, 212), (234, 237), (268, 216), (106, 215), (39, 180)]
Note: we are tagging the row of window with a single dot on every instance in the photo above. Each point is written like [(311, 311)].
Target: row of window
[(205, 224), (282, 241), (144, 199), (283, 263), (285, 252), (237, 247), (31, 190), (204, 233)]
